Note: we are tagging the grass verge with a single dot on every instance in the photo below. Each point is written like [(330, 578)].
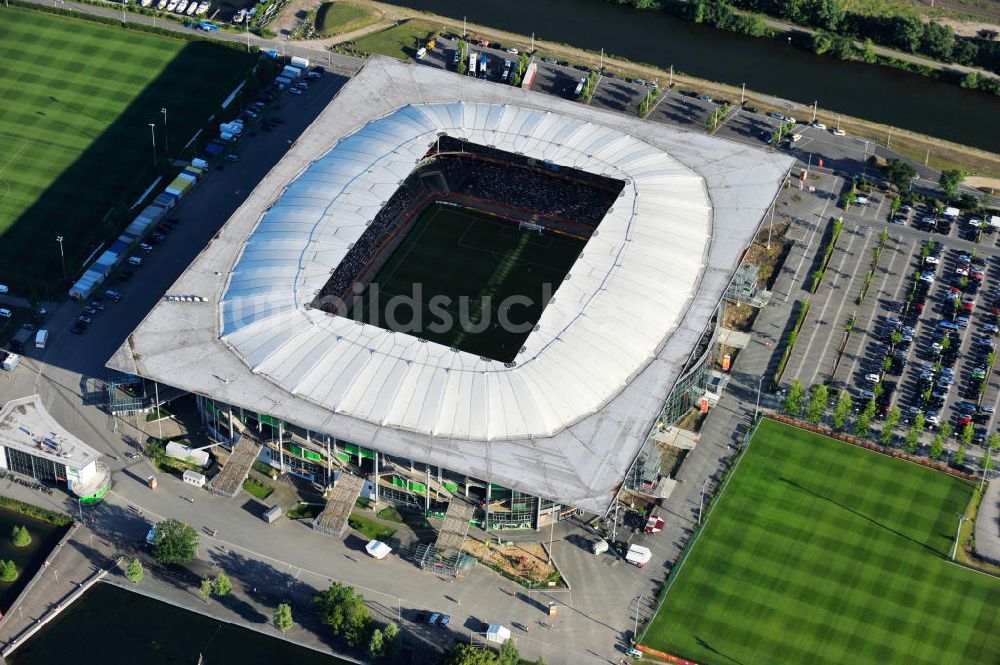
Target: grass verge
[(399, 41), (793, 337), (256, 488), (336, 18), (370, 529)]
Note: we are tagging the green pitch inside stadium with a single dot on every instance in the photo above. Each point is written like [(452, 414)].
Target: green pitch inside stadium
[(465, 270)]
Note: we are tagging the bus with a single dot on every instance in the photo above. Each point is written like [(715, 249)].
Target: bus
[(483, 61), (473, 59)]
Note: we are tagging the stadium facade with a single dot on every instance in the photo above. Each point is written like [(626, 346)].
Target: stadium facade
[(556, 428)]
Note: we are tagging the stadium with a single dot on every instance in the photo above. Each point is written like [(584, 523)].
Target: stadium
[(452, 289)]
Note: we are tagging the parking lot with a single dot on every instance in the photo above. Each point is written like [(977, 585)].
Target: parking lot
[(922, 337)]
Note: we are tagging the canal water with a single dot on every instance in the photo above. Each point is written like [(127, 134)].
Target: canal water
[(882, 94), (113, 626), (27, 560)]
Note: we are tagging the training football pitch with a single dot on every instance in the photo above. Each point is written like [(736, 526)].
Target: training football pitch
[(458, 255), (822, 553), (78, 98)]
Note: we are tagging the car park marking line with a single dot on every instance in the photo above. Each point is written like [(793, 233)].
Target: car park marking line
[(819, 223), (846, 290), (876, 310), (829, 286)]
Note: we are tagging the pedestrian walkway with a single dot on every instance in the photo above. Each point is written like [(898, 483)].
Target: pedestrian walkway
[(75, 562), (988, 524)]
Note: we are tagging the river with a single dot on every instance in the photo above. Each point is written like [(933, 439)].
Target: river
[(112, 626), (882, 94)]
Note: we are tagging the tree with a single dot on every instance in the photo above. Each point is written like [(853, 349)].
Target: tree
[(283, 617), (960, 456), (967, 433), (20, 536), (890, 425), (392, 639), (466, 654), (868, 53), (344, 610), (907, 32), (821, 42), (949, 181), (842, 410), (899, 173), (946, 430), (816, 407), (221, 586), (993, 441), (8, 571), (174, 542), (937, 447), (862, 426), (986, 462), (134, 572), (376, 648), (508, 654), (938, 41), (828, 14), (792, 403), (205, 589)]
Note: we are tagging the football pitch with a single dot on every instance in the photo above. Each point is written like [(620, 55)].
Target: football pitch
[(822, 553), (458, 255), (78, 98)]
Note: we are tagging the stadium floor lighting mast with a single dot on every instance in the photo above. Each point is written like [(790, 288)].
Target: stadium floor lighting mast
[(62, 255), (166, 133), (958, 533), (152, 135)]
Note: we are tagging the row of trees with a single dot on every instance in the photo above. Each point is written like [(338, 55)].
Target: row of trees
[(814, 411)]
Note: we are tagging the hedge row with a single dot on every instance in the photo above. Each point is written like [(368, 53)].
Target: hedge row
[(43, 514), (836, 230), (793, 337)]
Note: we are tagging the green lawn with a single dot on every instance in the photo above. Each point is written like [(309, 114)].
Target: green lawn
[(371, 529), (401, 41), (335, 18), (821, 553), (256, 488), (78, 98)]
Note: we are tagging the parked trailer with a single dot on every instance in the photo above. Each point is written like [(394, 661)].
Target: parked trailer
[(529, 76), (301, 63), (291, 72), (473, 59)]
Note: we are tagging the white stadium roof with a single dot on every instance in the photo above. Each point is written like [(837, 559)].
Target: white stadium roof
[(626, 292), (566, 421)]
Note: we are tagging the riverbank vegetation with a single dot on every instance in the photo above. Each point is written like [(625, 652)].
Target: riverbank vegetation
[(43, 514), (885, 23)]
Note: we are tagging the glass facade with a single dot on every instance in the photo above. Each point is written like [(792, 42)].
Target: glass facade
[(694, 381), (39, 468)]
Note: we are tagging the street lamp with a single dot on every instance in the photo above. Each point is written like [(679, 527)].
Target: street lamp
[(152, 135), (635, 630), (166, 135), (62, 256), (756, 409), (701, 500)]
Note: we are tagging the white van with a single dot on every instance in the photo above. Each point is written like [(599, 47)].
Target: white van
[(6, 313), (861, 201), (599, 546), (3, 288), (41, 338), (135, 261), (421, 52)]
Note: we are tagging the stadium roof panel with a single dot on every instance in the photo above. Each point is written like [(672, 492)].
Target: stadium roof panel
[(568, 419)]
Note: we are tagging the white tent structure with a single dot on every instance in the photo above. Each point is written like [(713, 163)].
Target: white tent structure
[(497, 634), (567, 419), (377, 549)]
